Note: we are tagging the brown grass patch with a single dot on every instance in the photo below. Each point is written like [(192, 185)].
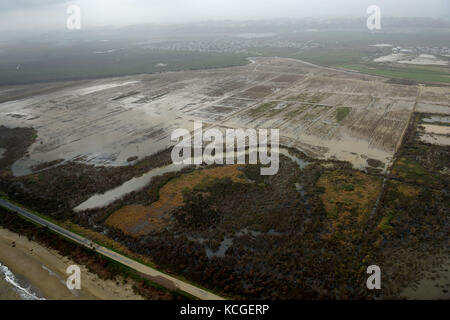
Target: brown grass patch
[(348, 198), (348, 192), (170, 197), (408, 190)]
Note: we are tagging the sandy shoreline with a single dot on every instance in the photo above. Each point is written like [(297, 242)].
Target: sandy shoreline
[(46, 271)]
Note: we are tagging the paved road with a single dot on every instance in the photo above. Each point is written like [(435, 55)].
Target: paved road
[(186, 287)]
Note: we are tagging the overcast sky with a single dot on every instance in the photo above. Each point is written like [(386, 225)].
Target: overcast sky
[(36, 14)]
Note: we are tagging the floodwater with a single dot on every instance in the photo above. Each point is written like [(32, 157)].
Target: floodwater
[(105, 122), (436, 134), (220, 253), (351, 149), (138, 183), (435, 283), (92, 134), (102, 200), (437, 119), (301, 163), (14, 288), (430, 128), (439, 140), (228, 242)]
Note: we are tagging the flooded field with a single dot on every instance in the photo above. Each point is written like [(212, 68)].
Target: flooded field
[(435, 139), (441, 130), (435, 129), (89, 152), (327, 114), (437, 119), (435, 283)]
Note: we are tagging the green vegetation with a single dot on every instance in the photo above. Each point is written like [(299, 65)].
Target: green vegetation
[(348, 187), (410, 73), (264, 108), (412, 171), (342, 113), (75, 59), (385, 223), (261, 109), (297, 110), (309, 98), (359, 196), (352, 50)]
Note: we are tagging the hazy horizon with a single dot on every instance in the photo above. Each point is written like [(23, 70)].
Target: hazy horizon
[(51, 14)]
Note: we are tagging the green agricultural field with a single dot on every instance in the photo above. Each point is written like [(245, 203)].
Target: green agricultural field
[(415, 74)]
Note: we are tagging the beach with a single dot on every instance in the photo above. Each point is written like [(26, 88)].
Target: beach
[(40, 273)]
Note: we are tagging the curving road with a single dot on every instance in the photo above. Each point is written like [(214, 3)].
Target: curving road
[(181, 285)]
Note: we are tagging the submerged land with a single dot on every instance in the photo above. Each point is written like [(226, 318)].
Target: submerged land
[(363, 179)]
